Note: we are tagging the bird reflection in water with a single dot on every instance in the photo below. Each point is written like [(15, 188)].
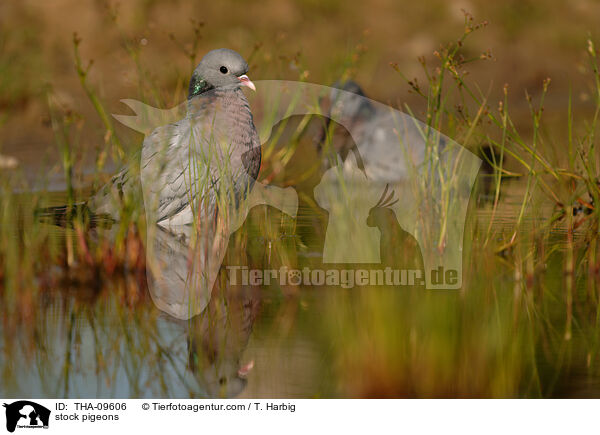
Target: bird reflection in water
[(185, 282)]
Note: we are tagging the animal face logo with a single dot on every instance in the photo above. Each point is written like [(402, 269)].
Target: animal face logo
[(26, 414), (428, 176)]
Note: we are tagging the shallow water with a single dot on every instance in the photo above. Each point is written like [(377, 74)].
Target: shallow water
[(91, 334)]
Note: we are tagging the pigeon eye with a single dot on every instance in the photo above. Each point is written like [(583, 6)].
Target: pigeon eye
[(223, 69)]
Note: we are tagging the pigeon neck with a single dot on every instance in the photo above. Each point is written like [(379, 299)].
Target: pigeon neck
[(198, 86)]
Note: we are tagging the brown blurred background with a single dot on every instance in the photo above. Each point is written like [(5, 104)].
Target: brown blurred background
[(145, 49)]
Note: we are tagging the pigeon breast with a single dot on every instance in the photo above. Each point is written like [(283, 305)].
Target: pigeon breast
[(214, 149)]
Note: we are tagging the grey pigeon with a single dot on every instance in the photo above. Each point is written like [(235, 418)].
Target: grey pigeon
[(186, 165), (385, 146), (350, 107)]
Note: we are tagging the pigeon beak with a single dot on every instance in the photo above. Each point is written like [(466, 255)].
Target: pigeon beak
[(245, 81), (246, 368)]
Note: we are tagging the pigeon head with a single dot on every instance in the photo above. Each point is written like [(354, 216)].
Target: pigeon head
[(217, 69), (351, 105)]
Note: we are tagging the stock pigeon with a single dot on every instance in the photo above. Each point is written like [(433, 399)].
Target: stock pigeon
[(214, 149), (387, 145), (186, 166)]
